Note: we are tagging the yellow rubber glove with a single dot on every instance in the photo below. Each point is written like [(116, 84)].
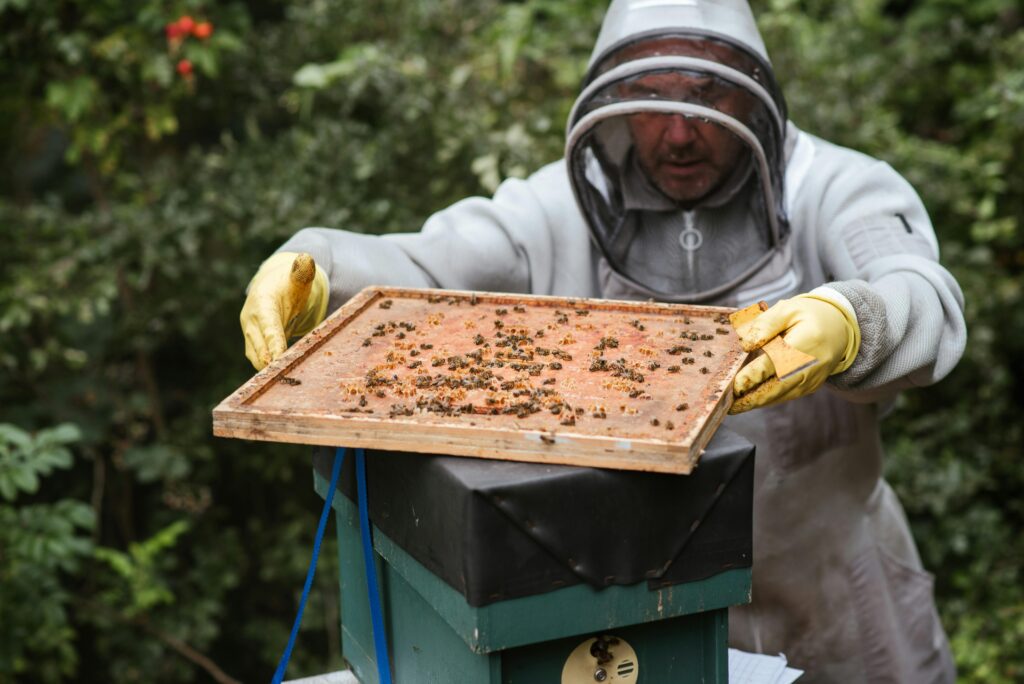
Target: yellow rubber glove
[(287, 298), (812, 324)]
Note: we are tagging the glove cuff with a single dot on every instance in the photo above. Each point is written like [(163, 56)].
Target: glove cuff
[(829, 296), (316, 306)]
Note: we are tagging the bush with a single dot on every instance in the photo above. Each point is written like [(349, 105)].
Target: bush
[(179, 557)]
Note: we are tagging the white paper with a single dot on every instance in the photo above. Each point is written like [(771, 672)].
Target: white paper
[(790, 675), (753, 668)]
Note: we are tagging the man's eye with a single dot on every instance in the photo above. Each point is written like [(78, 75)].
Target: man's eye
[(639, 91), (703, 89)]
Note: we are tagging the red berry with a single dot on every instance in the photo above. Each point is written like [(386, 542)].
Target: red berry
[(184, 67), (203, 30), (186, 23), (173, 31)]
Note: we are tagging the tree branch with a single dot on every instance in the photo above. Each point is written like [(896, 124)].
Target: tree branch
[(188, 652)]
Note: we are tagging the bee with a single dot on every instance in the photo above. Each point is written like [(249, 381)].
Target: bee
[(653, 365), (582, 312), (554, 365), (501, 312), (682, 407), (290, 381), (721, 331), (673, 369), (704, 370), (367, 342), (426, 346), (362, 400), (655, 422), (571, 420), (669, 425), (518, 309), (386, 304), (547, 440), (473, 300), (708, 353)]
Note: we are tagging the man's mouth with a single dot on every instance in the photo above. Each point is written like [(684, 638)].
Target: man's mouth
[(682, 165)]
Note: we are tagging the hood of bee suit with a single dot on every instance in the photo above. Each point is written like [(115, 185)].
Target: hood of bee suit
[(675, 148)]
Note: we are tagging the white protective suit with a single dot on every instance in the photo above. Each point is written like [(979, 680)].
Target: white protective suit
[(837, 582)]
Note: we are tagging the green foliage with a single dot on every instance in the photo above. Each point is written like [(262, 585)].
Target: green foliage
[(143, 588), (24, 457), (151, 198), (107, 72), (40, 544)]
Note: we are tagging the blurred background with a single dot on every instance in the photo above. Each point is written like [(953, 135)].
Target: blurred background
[(154, 152)]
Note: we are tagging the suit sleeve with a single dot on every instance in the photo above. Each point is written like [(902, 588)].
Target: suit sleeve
[(877, 245), (500, 244)]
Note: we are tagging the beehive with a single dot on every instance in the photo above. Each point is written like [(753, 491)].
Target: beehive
[(637, 386)]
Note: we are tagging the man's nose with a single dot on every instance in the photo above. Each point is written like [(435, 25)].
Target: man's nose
[(679, 130)]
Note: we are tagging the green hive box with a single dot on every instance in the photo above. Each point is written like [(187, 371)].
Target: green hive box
[(494, 572)]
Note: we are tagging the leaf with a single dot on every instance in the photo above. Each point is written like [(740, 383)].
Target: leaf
[(65, 433), (7, 488), (72, 98), (25, 479), (15, 437)]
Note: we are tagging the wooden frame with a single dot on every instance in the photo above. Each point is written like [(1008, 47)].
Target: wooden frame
[(298, 399)]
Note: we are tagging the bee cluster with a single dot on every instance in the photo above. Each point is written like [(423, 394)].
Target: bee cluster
[(519, 364)]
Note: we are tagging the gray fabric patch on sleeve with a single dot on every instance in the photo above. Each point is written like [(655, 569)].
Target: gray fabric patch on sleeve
[(879, 236)]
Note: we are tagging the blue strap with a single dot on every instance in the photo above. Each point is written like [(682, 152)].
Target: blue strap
[(339, 456), (380, 644)]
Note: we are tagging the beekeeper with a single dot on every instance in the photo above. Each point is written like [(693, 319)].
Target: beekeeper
[(683, 181)]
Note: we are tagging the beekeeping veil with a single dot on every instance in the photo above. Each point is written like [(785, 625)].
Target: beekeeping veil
[(667, 223)]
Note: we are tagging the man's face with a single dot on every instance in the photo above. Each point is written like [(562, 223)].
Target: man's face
[(686, 158)]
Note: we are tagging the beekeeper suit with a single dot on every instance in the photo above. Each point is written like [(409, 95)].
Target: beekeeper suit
[(683, 181)]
